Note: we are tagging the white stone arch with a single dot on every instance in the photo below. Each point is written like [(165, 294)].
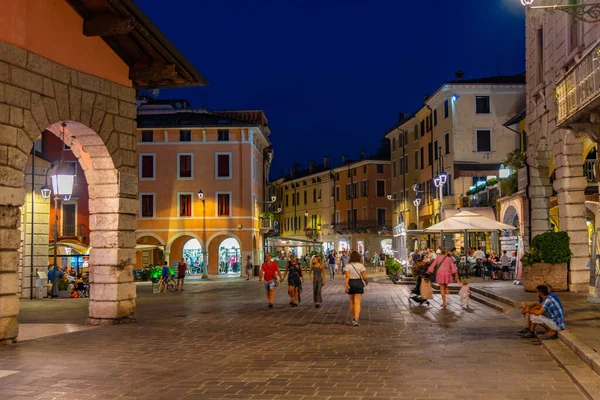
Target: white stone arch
[(173, 238), (223, 233), (150, 234), (509, 213)]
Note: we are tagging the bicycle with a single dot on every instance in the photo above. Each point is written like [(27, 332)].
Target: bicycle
[(170, 285)]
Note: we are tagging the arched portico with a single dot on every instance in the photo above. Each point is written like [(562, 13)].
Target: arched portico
[(37, 95), (213, 244), (174, 247)]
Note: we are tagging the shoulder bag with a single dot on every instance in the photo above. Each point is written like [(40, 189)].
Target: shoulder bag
[(358, 285)]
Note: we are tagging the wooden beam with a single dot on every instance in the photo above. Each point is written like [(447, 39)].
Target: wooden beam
[(107, 25), (152, 73)]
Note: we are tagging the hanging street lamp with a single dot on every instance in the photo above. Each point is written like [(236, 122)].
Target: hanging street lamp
[(586, 12)]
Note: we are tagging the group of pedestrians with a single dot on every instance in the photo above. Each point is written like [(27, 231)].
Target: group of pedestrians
[(354, 271)]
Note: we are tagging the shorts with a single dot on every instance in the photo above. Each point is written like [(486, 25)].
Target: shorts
[(269, 285), (180, 276), (356, 286), (547, 322)]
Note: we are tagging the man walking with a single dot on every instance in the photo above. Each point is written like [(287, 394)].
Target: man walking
[(268, 272), (181, 269), (345, 259), (331, 261)]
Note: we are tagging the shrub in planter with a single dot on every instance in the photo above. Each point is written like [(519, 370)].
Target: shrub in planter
[(393, 268), (546, 261)]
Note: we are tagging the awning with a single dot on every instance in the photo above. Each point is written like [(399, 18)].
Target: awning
[(487, 212), (471, 222), (149, 246), (279, 241)]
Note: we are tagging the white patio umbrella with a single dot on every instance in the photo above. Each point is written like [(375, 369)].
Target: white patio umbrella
[(470, 222), (466, 221)]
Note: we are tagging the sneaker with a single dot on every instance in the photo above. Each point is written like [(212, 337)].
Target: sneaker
[(551, 337), (270, 306), (355, 323), (522, 331), (528, 335), (317, 305)]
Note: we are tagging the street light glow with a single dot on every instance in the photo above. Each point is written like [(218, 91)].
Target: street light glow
[(526, 2), (201, 194)]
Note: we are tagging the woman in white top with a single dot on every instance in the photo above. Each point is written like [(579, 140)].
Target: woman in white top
[(355, 280)]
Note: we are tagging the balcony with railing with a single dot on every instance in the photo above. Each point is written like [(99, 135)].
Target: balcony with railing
[(265, 224), (578, 92), (361, 225)]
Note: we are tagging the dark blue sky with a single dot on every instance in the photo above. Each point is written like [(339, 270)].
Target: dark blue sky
[(332, 75)]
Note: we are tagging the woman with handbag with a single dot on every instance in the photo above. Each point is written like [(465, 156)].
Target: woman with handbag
[(445, 272), (355, 281)]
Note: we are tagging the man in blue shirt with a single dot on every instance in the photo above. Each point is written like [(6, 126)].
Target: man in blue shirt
[(164, 278), (331, 261), (550, 314)]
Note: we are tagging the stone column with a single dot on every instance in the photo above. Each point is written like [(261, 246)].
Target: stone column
[(539, 193), (113, 214), (570, 185)]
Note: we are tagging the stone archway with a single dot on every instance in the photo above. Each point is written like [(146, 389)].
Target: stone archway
[(511, 216), (37, 94)]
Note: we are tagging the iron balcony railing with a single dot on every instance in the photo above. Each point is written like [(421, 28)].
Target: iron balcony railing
[(580, 86), (266, 223), (360, 225)]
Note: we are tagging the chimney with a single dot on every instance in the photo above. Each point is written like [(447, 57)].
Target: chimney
[(344, 158), (459, 75), (294, 170), (326, 162), (311, 167), (362, 154), (425, 97)]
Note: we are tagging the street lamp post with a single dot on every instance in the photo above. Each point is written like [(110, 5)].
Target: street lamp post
[(439, 182), (204, 253), (417, 203)]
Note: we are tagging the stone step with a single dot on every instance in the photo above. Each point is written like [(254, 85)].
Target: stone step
[(454, 288), (585, 377), (493, 296), (486, 301)]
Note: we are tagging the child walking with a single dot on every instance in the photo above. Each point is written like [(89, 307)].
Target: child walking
[(464, 292)]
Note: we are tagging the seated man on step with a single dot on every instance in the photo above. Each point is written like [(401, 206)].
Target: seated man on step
[(548, 313)]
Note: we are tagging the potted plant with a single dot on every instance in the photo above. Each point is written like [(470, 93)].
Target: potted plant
[(546, 261), (63, 289), (393, 269)]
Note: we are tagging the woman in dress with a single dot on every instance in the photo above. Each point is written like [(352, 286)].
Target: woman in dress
[(445, 272), (317, 275), (355, 280), (293, 268)]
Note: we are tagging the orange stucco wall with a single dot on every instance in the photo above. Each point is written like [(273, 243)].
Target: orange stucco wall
[(52, 29), (243, 222)]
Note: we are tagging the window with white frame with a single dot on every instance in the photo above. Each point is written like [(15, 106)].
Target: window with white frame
[(147, 164), (223, 204), (185, 166), (184, 204), (484, 140), (223, 166), (482, 104), (380, 190), (147, 205)]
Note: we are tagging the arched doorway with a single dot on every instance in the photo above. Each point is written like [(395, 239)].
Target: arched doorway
[(193, 257), (229, 257), (104, 145), (511, 216)]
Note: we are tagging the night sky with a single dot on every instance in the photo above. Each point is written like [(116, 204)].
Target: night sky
[(332, 75)]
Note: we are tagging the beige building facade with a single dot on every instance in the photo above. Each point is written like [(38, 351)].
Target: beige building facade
[(460, 132)]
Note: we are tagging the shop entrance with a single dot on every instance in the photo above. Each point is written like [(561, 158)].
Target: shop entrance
[(192, 255), (229, 257)]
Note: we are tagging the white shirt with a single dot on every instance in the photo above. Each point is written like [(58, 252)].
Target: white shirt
[(356, 271), (479, 254)]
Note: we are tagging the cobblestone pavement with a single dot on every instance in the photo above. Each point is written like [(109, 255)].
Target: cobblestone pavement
[(219, 340)]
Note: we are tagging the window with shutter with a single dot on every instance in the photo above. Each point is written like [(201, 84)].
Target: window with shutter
[(223, 167), (185, 205), (185, 166), (147, 205), (223, 209), (484, 140), (147, 167)]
